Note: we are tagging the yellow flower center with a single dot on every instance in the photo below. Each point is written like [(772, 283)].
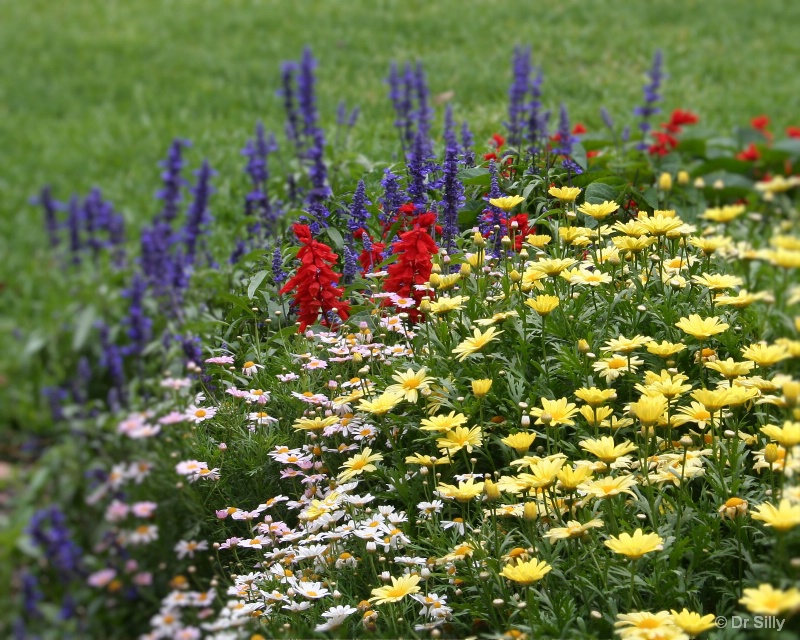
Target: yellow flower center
[(249, 364), (200, 413)]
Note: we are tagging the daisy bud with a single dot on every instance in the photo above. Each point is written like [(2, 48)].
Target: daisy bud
[(699, 183), (729, 434), (435, 268), (686, 441), (718, 184), (425, 573), (771, 453), (583, 346), (530, 512), (665, 182), (465, 269), (546, 418), (515, 275), (222, 446), (795, 562), (491, 490), (506, 241), (683, 177), (498, 602), (596, 614), (478, 240)]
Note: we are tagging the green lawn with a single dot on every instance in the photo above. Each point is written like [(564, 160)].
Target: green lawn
[(92, 91)]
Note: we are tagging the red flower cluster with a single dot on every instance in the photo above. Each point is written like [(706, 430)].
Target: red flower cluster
[(414, 250), (314, 284), (666, 140), (793, 132), (760, 123), (751, 154), (496, 142)]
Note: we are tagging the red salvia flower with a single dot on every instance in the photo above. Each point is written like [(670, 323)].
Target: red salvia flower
[(793, 132), (678, 119), (664, 144), (414, 249), (314, 284), (760, 123), (578, 129), (751, 154)]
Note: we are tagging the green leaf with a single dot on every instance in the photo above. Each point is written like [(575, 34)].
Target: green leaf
[(730, 165), (476, 176), (236, 301), (579, 155), (790, 146), (255, 282), (599, 192), (335, 236), (82, 327), (693, 146)]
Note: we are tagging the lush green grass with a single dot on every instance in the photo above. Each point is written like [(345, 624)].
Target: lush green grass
[(94, 90)]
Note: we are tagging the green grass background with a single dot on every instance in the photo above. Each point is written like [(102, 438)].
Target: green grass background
[(92, 91)]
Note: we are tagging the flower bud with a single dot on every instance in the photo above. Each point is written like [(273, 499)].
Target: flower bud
[(530, 511), (465, 269), (491, 490), (478, 240), (515, 275), (583, 346), (771, 452), (699, 183), (665, 182)]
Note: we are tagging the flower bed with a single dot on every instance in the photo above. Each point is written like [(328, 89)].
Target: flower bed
[(544, 389)]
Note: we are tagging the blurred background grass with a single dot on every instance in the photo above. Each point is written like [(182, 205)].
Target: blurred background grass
[(92, 91)]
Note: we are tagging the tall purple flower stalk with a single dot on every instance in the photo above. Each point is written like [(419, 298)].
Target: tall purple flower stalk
[(400, 93), (453, 196), (651, 98), (423, 113), (566, 139), (278, 274), (517, 92), (51, 208), (198, 216), (74, 226), (350, 266), (493, 216), (467, 143), (393, 196), (48, 530), (171, 192), (287, 92), (257, 202), (359, 215), (139, 326), (112, 361), (303, 127), (536, 129), (419, 166)]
